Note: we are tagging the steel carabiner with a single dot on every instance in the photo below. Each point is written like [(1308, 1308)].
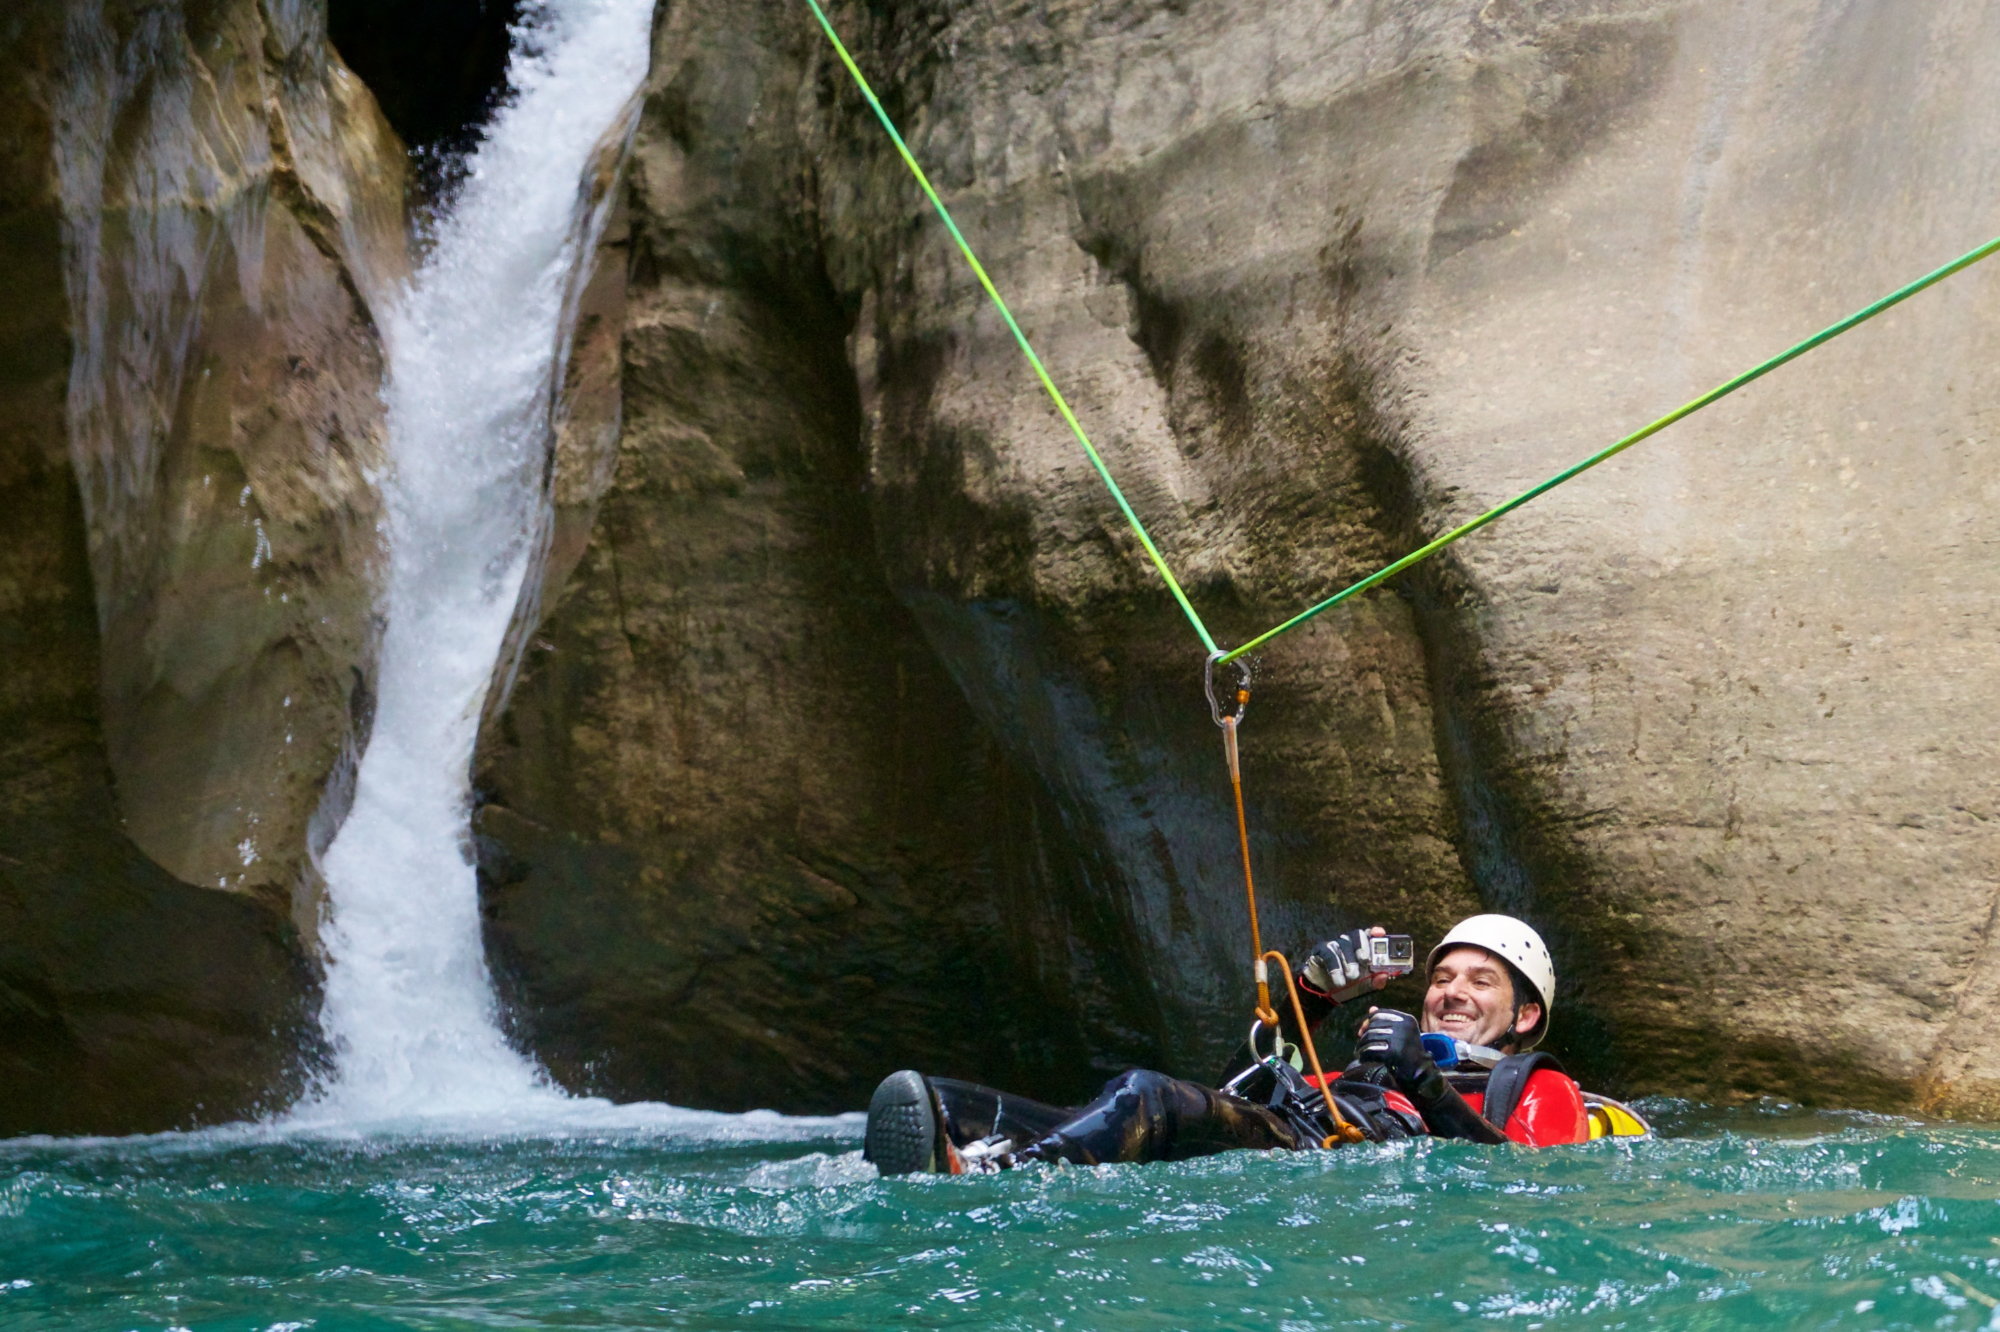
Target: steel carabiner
[(1242, 689)]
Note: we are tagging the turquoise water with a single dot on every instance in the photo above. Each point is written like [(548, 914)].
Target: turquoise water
[(1747, 1220)]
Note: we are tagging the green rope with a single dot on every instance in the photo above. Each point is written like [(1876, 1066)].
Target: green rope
[(1041, 373), (1415, 556), (1721, 391)]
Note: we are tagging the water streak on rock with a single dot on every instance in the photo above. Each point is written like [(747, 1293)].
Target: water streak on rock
[(476, 345)]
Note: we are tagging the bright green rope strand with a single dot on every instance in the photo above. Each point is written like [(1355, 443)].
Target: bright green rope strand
[(1425, 552), (1721, 391), (979, 271)]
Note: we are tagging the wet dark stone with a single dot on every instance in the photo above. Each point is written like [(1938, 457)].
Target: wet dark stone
[(438, 67)]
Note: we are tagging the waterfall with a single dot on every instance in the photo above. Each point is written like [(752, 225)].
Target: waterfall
[(475, 345)]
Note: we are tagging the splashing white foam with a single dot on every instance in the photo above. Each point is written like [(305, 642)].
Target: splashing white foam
[(474, 345)]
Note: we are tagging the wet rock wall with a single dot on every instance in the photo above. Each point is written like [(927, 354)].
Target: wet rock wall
[(743, 841), (1323, 281), (849, 730), (198, 199)]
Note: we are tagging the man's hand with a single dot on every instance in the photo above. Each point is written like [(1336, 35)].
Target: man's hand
[(1392, 1039), (1339, 969)]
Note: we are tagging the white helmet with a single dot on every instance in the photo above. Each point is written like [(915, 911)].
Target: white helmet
[(1517, 942)]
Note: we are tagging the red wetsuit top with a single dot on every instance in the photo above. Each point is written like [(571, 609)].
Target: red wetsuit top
[(1549, 1113)]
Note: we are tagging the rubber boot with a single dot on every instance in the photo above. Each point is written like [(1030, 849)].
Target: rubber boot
[(906, 1134)]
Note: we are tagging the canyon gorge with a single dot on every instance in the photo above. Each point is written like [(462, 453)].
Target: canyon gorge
[(837, 722)]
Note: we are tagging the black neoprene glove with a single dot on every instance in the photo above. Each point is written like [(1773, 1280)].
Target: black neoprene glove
[(1392, 1039), (1393, 1042), (1338, 969)]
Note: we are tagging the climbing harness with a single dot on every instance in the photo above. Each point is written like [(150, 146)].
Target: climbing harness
[(1343, 1130), (1609, 1122), (1282, 1062)]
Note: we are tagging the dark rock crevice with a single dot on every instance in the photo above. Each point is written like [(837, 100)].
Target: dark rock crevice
[(438, 69)]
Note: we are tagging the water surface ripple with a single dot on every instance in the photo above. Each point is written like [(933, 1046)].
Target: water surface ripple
[(1752, 1220)]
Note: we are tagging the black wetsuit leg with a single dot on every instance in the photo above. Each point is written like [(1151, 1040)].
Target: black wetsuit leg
[(1146, 1116), (973, 1112)]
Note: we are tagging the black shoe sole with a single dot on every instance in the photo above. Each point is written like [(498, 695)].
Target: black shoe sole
[(902, 1126)]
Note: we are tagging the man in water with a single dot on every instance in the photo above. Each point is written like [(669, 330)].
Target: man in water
[(1490, 992)]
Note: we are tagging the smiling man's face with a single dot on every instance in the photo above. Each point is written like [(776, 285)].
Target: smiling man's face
[(1471, 998)]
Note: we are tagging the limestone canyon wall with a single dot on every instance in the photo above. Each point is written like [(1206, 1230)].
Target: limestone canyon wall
[(848, 730), (743, 840), (195, 201), (859, 690)]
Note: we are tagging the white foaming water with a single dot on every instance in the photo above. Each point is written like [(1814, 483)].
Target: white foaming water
[(474, 346)]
